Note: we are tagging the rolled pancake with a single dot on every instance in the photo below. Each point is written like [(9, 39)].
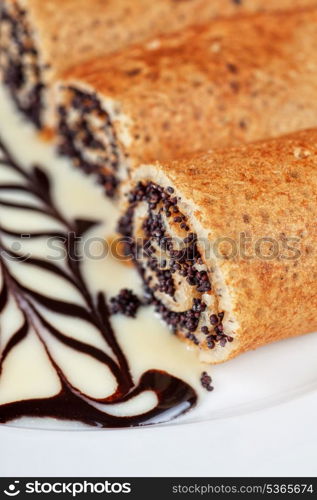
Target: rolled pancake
[(234, 81), (41, 38), (226, 243)]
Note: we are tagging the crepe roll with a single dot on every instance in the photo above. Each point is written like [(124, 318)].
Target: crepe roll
[(229, 82), (226, 243), (41, 38)]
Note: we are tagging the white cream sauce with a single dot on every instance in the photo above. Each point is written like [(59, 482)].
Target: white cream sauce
[(146, 341)]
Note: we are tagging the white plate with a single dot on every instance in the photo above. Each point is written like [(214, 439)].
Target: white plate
[(280, 441)]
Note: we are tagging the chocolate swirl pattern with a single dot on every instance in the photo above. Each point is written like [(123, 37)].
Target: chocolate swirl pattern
[(37, 307)]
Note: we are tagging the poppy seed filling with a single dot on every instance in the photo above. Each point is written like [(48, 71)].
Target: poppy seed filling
[(88, 137), (126, 302), (19, 62), (172, 268)]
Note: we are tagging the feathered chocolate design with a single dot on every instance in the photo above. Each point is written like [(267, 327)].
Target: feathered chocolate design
[(34, 309)]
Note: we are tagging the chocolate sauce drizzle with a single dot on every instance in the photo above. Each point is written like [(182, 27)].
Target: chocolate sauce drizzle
[(174, 396)]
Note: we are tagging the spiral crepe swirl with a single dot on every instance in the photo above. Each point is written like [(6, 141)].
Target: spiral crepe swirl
[(41, 39), (245, 221), (200, 88), (20, 62)]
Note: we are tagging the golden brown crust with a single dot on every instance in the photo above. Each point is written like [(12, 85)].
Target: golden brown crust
[(71, 31), (263, 190), (230, 82)]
